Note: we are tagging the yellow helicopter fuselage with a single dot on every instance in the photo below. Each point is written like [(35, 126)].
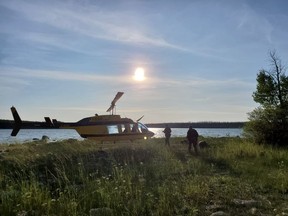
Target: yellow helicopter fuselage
[(109, 128)]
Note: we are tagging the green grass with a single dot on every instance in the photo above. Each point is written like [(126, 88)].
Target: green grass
[(142, 178)]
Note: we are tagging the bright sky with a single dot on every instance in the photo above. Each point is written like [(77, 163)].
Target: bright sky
[(197, 60)]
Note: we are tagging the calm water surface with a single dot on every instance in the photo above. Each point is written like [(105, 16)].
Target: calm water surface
[(62, 134), (206, 132)]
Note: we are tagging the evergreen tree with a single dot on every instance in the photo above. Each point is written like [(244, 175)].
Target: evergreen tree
[(269, 122)]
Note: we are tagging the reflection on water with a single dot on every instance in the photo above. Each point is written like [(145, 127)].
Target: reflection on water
[(61, 134), (206, 132), (30, 134)]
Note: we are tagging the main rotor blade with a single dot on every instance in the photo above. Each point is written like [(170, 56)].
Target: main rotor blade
[(117, 97)]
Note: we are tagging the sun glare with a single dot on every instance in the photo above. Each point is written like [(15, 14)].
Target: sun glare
[(139, 74)]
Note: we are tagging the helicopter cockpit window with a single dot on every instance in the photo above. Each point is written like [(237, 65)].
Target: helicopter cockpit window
[(123, 128), (112, 129), (142, 128), (134, 128)]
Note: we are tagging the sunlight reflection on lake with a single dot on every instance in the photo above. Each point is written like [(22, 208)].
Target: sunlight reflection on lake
[(206, 132)]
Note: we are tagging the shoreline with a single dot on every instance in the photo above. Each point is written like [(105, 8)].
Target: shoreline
[(9, 124)]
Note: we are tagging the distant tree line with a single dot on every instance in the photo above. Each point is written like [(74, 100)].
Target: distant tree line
[(8, 124), (198, 125)]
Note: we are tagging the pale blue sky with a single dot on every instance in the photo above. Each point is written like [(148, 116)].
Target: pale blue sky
[(68, 59)]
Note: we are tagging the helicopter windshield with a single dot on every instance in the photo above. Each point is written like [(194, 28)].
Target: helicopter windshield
[(142, 128)]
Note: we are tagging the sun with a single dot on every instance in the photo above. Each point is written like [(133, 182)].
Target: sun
[(139, 74)]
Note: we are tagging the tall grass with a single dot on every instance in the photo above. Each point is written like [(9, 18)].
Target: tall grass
[(141, 178)]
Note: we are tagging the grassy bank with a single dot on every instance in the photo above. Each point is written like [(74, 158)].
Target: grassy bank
[(231, 177)]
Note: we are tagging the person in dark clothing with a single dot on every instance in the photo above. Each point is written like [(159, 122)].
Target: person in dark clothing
[(192, 136), (167, 132)]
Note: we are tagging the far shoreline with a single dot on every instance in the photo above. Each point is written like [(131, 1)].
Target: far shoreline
[(8, 124), (197, 125)]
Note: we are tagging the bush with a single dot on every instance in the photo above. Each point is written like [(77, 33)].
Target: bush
[(267, 126)]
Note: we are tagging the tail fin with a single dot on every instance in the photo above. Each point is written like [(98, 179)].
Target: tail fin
[(48, 122), (56, 123), (17, 121)]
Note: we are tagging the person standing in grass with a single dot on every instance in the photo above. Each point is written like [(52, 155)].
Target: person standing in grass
[(192, 136), (167, 131)]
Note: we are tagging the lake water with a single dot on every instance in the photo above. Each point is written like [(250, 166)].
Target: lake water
[(206, 132), (62, 134)]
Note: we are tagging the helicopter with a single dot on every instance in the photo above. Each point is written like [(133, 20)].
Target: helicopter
[(98, 127)]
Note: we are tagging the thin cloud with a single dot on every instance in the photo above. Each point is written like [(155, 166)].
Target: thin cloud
[(200, 82), (98, 23), (59, 108), (250, 22), (88, 77), (89, 21), (58, 75), (11, 84)]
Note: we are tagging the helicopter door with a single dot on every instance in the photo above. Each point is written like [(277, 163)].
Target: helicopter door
[(134, 128), (125, 128)]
